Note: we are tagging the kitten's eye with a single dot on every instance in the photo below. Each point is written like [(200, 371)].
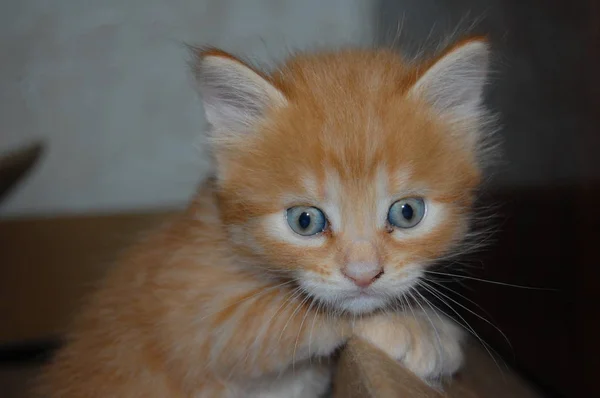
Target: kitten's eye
[(406, 213), (306, 221)]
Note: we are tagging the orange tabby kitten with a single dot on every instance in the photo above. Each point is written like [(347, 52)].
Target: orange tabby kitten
[(339, 179)]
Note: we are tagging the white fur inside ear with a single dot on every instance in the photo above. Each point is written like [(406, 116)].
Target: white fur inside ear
[(454, 84), (235, 97)]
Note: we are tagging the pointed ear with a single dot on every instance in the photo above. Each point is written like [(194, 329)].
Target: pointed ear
[(235, 96), (454, 84)]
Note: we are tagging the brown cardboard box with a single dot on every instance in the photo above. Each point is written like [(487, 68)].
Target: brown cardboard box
[(366, 372), (47, 265)]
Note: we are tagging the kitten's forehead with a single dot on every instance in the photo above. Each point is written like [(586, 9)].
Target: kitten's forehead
[(347, 127), (334, 183), (357, 205)]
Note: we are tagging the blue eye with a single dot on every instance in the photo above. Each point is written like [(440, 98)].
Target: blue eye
[(406, 213), (306, 221)]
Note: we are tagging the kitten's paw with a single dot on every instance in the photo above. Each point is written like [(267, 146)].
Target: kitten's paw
[(428, 344)]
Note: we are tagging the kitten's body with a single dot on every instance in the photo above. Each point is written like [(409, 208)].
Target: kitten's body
[(227, 301), (181, 318)]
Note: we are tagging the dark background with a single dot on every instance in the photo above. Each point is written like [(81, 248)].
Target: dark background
[(546, 192)]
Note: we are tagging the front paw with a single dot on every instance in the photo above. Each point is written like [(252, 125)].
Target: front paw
[(428, 344)]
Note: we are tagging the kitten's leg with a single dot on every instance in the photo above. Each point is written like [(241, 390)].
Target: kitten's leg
[(428, 344)]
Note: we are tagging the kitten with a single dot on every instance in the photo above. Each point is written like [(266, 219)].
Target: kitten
[(339, 179)]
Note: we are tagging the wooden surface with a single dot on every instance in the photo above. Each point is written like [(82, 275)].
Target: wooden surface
[(48, 265), (365, 372)]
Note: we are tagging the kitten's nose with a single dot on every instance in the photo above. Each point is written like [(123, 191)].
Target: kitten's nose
[(362, 273)]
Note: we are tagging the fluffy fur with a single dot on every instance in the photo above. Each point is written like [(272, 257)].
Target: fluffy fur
[(228, 301)]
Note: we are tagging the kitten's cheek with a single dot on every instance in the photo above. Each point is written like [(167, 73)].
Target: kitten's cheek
[(314, 284), (325, 288)]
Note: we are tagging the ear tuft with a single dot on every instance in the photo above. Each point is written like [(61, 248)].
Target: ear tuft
[(454, 84), (234, 95)]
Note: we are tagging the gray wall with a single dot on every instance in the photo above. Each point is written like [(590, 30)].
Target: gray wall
[(105, 85)]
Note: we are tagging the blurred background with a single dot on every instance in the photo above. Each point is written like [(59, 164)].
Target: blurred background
[(101, 135)]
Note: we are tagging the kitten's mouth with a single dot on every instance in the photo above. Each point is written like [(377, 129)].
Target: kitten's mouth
[(362, 293)]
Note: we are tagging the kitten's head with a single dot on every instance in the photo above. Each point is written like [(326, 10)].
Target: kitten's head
[(350, 171)]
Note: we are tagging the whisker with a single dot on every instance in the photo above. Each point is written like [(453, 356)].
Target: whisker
[(490, 281), (409, 293), (296, 293), (289, 295), (251, 346), (293, 314), (466, 325), (437, 335), (403, 299), (300, 331), (437, 283), (299, 294), (312, 327), (260, 292), (424, 284)]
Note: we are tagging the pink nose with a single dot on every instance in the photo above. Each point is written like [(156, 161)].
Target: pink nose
[(361, 273)]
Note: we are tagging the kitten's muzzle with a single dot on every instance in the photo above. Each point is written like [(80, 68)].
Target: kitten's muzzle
[(363, 274)]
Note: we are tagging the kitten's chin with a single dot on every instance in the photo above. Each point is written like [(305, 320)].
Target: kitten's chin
[(361, 304)]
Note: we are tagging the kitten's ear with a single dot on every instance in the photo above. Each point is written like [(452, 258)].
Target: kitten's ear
[(454, 84), (235, 96)]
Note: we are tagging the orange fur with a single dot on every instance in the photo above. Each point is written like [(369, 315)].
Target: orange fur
[(212, 305)]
